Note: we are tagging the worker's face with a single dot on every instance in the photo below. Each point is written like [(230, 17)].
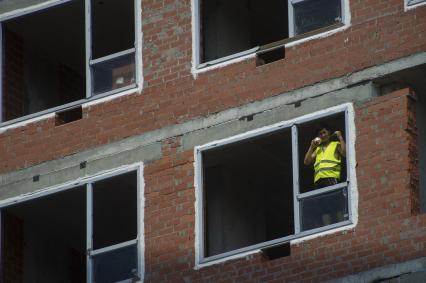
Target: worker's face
[(324, 135)]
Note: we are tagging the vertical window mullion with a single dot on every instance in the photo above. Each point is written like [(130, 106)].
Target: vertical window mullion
[(88, 34), (348, 167), (201, 207), (295, 156), (139, 220), (89, 230), (197, 31), (290, 17), (138, 30)]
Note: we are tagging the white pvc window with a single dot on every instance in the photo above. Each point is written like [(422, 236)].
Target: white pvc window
[(98, 219), (254, 191), (228, 29), (52, 67), (414, 2)]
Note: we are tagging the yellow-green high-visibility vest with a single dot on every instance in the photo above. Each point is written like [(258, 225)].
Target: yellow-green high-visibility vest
[(326, 165)]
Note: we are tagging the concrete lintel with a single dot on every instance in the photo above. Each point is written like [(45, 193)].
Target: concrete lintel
[(409, 271), (282, 103), (280, 113), (68, 169)]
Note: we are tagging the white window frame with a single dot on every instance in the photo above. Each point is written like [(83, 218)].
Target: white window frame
[(89, 96), (291, 14), (411, 4), (350, 184), (196, 34), (87, 182)]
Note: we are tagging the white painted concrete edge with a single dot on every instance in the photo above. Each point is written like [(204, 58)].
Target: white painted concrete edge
[(352, 182)]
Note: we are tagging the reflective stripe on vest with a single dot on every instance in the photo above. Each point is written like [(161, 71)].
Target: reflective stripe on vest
[(326, 164)]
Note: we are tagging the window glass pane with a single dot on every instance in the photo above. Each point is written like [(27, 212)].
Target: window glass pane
[(325, 209), (113, 26), (119, 265), (314, 14), (114, 73), (413, 2), (114, 210)]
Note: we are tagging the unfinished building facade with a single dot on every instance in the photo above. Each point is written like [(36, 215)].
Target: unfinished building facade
[(165, 141)]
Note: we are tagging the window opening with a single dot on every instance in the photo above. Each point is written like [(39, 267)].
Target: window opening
[(87, 233), (257, 192), (232, 27), (45, 238), (48, 65), (248, 192), (114, 218), (306, 133), (270, 56), (113, 45), (43, 63), (68, 116), (229, 27)]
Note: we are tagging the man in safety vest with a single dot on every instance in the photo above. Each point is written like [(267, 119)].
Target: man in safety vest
[(327, 155)]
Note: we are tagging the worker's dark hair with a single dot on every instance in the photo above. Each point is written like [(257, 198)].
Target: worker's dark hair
[(323, 126)]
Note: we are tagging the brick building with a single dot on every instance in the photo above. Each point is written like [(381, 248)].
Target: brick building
[(163, 141)]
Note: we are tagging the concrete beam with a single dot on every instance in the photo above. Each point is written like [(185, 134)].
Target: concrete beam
[(147, 147)]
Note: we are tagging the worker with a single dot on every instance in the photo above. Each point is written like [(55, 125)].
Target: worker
[(327, 155)]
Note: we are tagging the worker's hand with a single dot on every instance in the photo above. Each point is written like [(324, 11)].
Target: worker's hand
[(338, 134), (315, 142)]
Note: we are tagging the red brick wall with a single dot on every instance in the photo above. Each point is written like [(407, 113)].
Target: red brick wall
[(381, 31), (387, 231), (13, 76)]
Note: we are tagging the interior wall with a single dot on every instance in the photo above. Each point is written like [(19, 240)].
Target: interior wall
[(229, 27), (225, 28), (46, 259), (248, 193), (41, 82), (269, 21)]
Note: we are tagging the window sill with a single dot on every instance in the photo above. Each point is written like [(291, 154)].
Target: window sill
[(45, 114), (239, 253), (237, 57)]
